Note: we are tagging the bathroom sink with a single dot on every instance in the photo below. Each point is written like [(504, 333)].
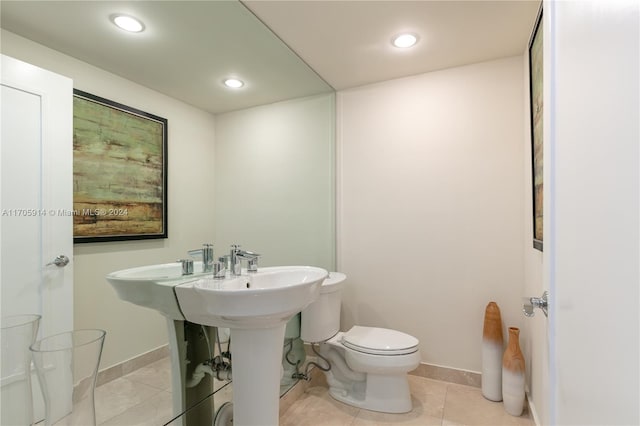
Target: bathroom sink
[(256, 300), (256, 307), (152, 286)]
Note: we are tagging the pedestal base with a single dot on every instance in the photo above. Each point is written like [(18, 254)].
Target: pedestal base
[(257, 360), (187, 343)]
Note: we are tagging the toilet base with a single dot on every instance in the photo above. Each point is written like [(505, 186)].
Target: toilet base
[(382, 393)]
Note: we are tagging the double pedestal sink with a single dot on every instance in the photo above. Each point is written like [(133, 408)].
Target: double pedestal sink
[(255, 306)]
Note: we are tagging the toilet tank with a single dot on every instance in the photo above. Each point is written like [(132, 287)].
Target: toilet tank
[(321, 320)]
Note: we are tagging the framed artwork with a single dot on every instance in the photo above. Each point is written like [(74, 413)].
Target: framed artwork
[(119, 171), (536, 97)]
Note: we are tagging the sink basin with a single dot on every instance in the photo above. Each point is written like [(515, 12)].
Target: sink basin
[(152, 286), (256, 300), (256, 307)]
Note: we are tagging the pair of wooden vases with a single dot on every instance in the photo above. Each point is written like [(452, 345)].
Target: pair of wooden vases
[(502, 371)]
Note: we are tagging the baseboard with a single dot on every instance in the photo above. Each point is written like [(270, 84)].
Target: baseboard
[(532, 410), (126, 367), (448, 374)]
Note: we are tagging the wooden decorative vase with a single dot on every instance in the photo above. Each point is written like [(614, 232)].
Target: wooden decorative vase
[(492, 346), (513, 368)]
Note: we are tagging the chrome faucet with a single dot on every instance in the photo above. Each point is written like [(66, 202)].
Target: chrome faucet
[(235, 257), (206, 254)]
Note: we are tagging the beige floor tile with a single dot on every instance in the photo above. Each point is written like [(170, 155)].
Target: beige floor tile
[(119, 395), (418, 416), (157, 375), (161, 364), (128, 387), (465, 405), (153, 412), (428, 398), (431, 393), (316, 408)]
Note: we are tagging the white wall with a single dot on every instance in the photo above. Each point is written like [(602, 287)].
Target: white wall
[(132, 330), (275, 175), (430, 205)]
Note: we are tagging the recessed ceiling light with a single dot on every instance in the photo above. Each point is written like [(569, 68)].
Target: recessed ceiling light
[(127, 23), (233, 83), (405, 40)]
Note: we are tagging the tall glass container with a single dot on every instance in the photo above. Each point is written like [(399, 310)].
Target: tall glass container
[(67, 366), (18, 333)]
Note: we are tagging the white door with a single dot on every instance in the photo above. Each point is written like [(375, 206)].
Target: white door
[(36, 195), (592, 238)]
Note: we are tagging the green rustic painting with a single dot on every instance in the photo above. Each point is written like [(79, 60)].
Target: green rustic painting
[(536, 93), (119, 171)]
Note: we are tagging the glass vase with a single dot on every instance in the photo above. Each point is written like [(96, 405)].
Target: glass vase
[(67, 367), (18, 333)]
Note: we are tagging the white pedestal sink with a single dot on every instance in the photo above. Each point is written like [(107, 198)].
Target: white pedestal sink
[(256, 307), (152, 287)]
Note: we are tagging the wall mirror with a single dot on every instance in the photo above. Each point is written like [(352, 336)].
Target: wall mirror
[(274, 140)]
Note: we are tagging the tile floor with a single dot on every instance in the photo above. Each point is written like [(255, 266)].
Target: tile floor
[(434, 403), (143, 398)]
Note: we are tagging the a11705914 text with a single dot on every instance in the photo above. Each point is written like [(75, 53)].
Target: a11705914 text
[(31, 212)]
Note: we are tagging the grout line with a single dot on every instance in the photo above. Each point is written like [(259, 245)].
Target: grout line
[(355, 416), (444, 404)]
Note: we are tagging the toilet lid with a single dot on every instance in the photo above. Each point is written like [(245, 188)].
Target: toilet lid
[(379, 341)]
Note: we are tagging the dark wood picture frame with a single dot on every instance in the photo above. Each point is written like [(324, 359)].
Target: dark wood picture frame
[(119, 171), (536, 111)]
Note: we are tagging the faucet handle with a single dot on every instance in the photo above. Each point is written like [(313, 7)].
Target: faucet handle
[(252, 265), (187, 266), (226, 261), (219, 269)]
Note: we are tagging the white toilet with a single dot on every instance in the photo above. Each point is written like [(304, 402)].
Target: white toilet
[(369, 365)]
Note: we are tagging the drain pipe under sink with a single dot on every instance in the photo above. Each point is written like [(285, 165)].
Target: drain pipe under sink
[(205, 368)]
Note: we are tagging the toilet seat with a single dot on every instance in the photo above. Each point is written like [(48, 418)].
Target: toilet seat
[(379, 341)]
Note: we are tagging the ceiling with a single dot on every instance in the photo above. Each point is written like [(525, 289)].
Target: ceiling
[(189, 47), (348, 43)]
